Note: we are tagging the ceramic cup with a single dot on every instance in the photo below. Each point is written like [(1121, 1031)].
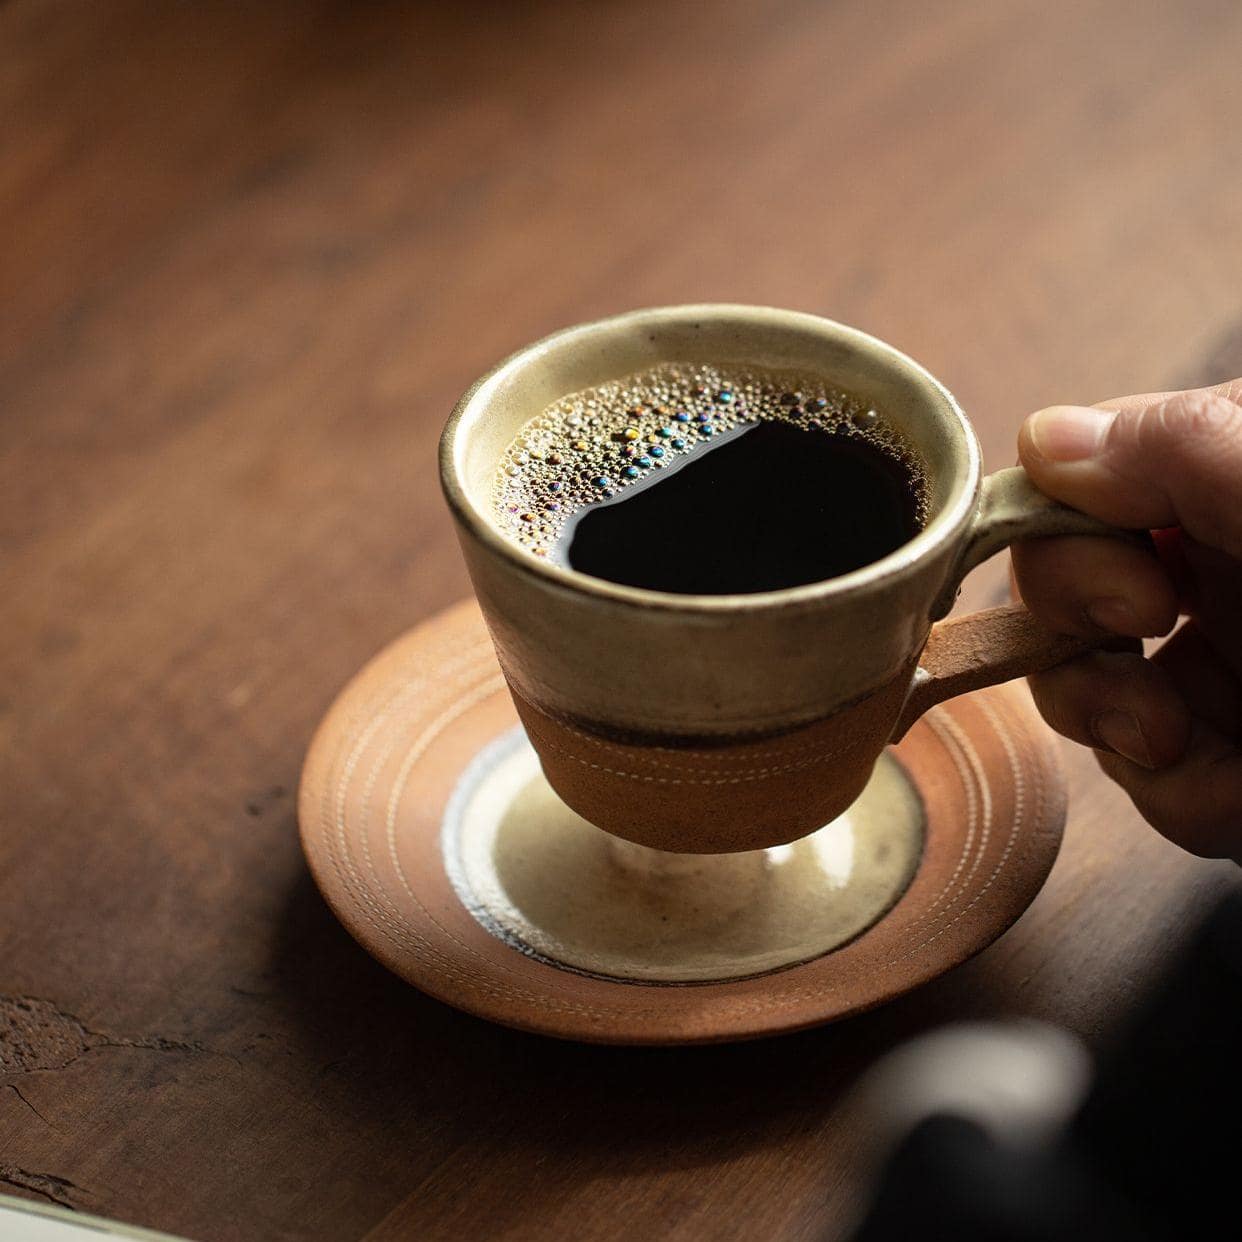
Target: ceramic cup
[(716, 723)]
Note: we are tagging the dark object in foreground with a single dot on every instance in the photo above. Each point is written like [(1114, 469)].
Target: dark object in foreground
[(1148, 1158)]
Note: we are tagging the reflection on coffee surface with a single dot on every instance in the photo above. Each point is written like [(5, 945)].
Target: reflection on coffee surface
[(711, 480)]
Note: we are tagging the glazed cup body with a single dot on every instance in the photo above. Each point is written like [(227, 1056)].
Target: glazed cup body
[(662, 708)]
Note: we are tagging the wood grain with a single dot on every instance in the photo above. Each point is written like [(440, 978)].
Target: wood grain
[(249, 256)]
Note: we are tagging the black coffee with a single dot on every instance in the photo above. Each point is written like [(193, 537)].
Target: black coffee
[(773, 506), (702, 479)]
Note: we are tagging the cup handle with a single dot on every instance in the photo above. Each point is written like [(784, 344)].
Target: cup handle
[(1000, 644)]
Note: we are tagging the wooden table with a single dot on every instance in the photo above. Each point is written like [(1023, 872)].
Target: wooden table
[(250, 256)]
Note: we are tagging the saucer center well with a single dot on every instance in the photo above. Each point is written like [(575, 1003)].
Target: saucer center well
[(542, 879)]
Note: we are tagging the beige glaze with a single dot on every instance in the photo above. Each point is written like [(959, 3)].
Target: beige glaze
[(546, 881), (581, 648)]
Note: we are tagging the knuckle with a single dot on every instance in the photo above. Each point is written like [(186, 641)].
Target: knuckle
[(1194, 417), (1184, 455)]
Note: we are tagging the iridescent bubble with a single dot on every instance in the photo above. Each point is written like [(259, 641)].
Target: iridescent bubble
[(567, 449)]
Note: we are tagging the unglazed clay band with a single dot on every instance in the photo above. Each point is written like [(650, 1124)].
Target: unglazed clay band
[(733, 795)]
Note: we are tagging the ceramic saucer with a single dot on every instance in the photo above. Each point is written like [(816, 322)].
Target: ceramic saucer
[(433, 836)]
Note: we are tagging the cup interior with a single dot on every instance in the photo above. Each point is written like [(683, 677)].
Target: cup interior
[(493, 412)]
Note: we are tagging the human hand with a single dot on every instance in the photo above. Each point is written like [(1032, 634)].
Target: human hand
[(1167, 729)]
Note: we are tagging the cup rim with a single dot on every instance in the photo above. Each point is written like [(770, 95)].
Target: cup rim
[(899, 563)]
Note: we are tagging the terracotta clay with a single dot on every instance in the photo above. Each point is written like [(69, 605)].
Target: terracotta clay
[(751, 793)]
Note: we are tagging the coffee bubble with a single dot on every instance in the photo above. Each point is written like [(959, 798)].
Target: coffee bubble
[(591, 445)]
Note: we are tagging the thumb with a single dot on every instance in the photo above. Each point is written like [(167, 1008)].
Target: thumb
[(1171, 459)]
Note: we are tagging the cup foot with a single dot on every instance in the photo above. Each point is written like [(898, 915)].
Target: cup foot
[(541, 878)]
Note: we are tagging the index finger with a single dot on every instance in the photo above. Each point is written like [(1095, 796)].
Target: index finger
[(1145, 462), (1231, 390)]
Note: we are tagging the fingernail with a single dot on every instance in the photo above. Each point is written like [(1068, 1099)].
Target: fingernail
[(1121, 733), (1117, 616), (1069, 432)]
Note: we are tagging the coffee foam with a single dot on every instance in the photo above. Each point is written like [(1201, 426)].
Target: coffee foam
[(596, 445)]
